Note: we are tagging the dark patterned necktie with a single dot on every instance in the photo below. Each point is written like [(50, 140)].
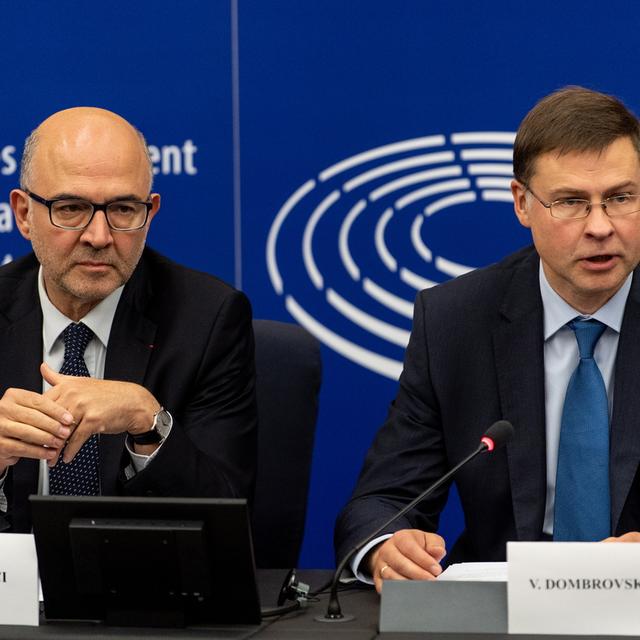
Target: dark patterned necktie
[(80, 476)]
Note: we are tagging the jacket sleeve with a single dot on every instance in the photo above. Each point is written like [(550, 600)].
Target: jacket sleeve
[(211, 450), (407, 455)]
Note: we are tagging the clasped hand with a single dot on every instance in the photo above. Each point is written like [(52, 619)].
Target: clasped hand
[(35, 425)]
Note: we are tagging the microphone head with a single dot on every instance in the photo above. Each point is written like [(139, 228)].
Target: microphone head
[(497, 435)]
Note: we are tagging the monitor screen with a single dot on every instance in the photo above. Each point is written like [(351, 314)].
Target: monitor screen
[(146, 561)]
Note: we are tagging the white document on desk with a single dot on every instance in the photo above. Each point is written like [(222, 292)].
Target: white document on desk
[(476, 572)]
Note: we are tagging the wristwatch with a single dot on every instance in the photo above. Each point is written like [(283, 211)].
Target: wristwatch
[(160, 428)]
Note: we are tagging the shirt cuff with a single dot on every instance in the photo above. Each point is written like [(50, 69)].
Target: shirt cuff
[(357, 559)]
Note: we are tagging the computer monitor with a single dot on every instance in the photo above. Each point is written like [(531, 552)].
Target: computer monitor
[(146, 561)]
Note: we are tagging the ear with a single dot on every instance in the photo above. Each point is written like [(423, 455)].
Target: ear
[(20, 204), (520, 203), (155, 202)]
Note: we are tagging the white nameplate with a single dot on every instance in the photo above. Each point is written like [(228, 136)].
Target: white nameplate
[(18, 580), (585, 588)]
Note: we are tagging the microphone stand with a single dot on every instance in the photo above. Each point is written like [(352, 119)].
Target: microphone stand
[(334, 611)]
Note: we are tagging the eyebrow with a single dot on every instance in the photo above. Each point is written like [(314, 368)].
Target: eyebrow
[(74, 196), (568, 192)]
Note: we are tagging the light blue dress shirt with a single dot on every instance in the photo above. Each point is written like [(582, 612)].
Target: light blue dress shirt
[(561, 358)]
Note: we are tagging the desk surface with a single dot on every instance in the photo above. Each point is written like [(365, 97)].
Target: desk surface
[(300, 625)]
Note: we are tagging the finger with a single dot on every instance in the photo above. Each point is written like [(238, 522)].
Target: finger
[(54, 461), (18, 431), (400, 565), (386, 573), (414, 554), (17, 449), (631, 536), (38, 411), (74, 444), (435, 545), (51, 376), (34, 427)]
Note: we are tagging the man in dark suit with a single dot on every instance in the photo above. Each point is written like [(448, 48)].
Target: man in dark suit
[(500, 343), (159, 398)]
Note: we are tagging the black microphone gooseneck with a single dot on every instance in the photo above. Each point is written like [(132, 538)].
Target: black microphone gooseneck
[(497, 435)]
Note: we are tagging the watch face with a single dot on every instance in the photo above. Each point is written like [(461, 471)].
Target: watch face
[(162, 423)]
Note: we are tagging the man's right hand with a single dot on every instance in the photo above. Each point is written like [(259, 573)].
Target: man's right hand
[(31, 426), (409, 554)]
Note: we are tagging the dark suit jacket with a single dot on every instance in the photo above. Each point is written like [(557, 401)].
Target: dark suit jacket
[(476, 356), (185, 336)]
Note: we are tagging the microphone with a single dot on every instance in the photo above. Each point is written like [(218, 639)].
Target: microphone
[(496, 436)]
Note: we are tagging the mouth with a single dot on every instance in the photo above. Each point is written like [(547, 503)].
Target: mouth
[(600, 259), (600, 262), (94, 265)]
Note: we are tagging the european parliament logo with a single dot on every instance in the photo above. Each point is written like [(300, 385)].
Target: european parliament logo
[(350, 248)]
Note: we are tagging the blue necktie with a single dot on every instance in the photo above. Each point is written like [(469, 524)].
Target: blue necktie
[(80, 476), (582, 510)]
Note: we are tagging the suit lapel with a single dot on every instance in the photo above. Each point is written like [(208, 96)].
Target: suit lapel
[(625, 432), (519, 353), (21, 350), (130, 346)]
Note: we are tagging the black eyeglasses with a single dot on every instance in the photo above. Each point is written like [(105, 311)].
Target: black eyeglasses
[(621, 204), (75, 214)]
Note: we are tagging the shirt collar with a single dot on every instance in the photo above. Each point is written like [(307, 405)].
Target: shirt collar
[(54, 322), (557, 312)]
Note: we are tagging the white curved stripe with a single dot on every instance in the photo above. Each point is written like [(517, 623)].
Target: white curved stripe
[(381, 246), (499, 169), (379, 364), (493, 183), (343, 239), (414, 178), (487, 154), (449, 201), (292, 201), (416, 239), (452, 269), (491, 137), (425, 192), (414, 280), (399, 165), (493, 195), (367, 322), (307, 237), (379, 152), (389, 300)]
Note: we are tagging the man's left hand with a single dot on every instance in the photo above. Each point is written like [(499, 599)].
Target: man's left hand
[(99, 406), (632, 536)]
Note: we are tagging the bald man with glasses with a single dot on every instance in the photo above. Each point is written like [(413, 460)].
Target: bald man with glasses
[(124, 373)]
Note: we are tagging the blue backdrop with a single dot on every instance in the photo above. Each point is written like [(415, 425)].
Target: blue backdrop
[(329, 157)]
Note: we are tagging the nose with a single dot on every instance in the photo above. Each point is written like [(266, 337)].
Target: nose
[(97, 233), (598, 223)]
